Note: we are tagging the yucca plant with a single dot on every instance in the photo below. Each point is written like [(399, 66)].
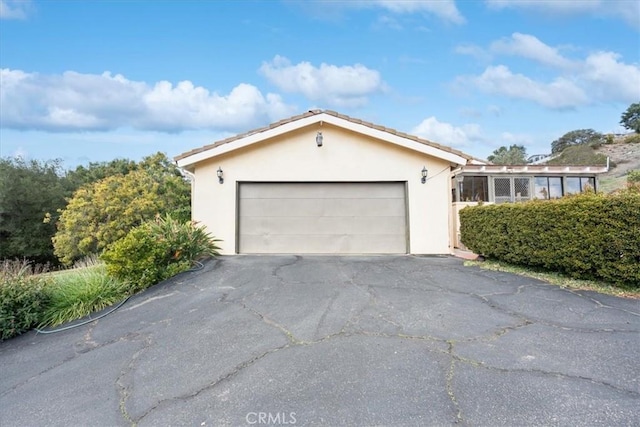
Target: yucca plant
[(186, 240)]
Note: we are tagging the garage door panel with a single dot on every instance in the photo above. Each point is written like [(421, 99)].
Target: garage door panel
[(324, 225), (319, 191), (281, 207), (338, 218), (322, 244), (328, 207)]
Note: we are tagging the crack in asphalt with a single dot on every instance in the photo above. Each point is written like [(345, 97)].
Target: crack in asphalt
[(600, 304), (78, 351), (276, 271), (326, 311), (449, 384), (238, 368), (123, 382), (497, 333), (478, 364), (498, 307), (124, 390)]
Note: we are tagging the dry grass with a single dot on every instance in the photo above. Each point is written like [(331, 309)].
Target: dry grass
[(558, 279)]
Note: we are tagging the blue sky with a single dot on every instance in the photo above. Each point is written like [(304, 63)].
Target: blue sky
[(95, 80)]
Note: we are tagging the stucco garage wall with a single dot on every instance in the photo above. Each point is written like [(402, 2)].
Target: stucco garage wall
[(345, 156)]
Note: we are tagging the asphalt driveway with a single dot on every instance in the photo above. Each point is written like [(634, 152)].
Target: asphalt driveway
[(335, 341)]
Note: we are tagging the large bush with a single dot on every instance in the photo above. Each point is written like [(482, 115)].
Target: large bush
[(103, 212), (586, 235), (23, 298), (157, 250)]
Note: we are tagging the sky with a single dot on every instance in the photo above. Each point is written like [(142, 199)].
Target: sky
[(89, 81)]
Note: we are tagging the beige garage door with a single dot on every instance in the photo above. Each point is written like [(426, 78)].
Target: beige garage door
[(322, 218)]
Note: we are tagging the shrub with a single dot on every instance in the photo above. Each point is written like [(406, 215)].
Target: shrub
[(158, 250), (80, 291), (23, 298), (633, 138), (102, 212), (585, 236)]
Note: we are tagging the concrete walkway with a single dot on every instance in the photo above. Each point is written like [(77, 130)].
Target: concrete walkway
[(335, 341)]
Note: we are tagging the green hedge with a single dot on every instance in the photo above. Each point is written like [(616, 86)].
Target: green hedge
[(585, 236)]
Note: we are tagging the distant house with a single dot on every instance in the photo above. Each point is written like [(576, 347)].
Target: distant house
[(325, 183)]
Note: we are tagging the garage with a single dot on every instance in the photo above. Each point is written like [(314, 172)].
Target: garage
[(323, 183), (322, 218)]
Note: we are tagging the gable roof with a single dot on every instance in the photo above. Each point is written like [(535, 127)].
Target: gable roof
[(190, 158)]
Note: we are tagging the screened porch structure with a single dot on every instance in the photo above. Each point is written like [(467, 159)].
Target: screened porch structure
[(500, 184), (479, 183)]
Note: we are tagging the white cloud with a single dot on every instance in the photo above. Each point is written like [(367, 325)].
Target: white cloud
[(76, 102), (530, 47), (495, 110), (600, 77), (473, 50), (553, 5), (14, 9), (560, 93), (469, 136), (611, 79), (444, 9), (522, 45), (342, 86), (627, 10), (470, 112), (516, 138), (448, 134), (387, 22)]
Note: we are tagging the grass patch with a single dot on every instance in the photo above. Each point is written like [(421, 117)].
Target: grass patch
[(558, 279), (80, 291)]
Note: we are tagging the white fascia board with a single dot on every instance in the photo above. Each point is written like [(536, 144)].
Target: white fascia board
[(317, 118), (395, 139), (246, 141)]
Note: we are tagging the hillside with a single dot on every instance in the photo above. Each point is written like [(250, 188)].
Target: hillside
[(626, 157)]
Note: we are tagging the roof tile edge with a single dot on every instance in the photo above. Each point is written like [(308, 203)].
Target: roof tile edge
[(317, 112)]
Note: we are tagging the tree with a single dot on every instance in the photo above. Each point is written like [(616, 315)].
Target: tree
[(96, 171), (27, 191), (631, 118), (577, 137), (514, 155), (103, 212)]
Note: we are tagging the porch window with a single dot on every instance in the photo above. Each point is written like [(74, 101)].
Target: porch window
[(511, 189), (579, 184), (474, 189), (548, 187)]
